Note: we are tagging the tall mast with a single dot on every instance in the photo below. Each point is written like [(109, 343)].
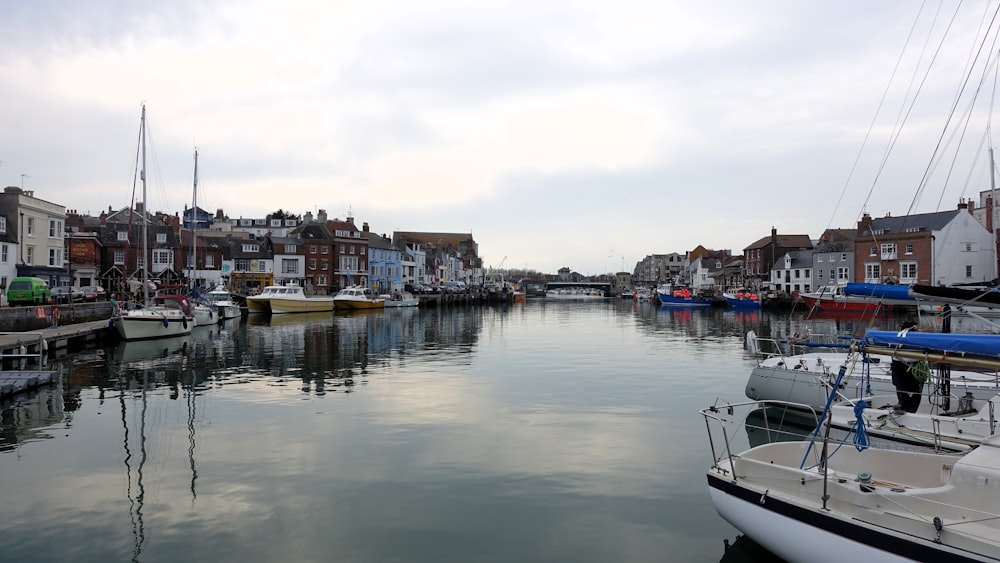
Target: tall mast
[(145, 225), (193, 267), (993, 214)]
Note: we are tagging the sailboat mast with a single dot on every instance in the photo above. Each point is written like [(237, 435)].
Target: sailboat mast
[(993, 215), (193, 267), (145, 225)]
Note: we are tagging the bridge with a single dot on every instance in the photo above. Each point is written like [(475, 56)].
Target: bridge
[(603, 286)]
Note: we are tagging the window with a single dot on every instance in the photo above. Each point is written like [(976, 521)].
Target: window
[(908, 249), (54, 227), (275, 222), (289, 266), (843, 257), (341, 249), (326, 250), (241, 265), (967, 247), (352, 249), (873, 250), (289, 249), (251, 248), (262, 266), (968, 271), (31, 226), (873, 273), (325, 265), (3, 223), (246, 222), (907, 272), (123, 236), (289, 222), (312, 263), (209, 260), (31, 256), (55, 257), (119, 257), (362, 251), (888, 251), (161, 237), (819, 274), (321, 280), (819, 257), (260, 222), (3, 253), (140, 261), (163, 257), (312, 249), (843, 274)]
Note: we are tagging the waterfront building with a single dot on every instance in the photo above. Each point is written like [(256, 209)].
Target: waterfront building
[(32, 238)]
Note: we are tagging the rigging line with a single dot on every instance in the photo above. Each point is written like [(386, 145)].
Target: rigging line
[(989, 68), (902, 116), (878, 110), (951, 113)]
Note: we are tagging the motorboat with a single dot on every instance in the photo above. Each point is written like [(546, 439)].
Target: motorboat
[(222, 300), (292, 299), (356, 297), (399, 299)]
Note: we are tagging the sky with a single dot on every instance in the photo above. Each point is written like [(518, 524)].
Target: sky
[(570, 134)]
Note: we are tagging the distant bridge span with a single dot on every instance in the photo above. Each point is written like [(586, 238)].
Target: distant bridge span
[(603, 286)]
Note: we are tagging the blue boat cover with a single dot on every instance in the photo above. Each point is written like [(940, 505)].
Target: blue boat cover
[(878, 290), (980, 344)]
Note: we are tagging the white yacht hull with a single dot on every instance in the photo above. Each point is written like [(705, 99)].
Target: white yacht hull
[(145, 324), (792, 539), (228, 310)]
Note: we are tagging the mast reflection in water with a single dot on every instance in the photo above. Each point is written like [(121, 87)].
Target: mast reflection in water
[(541, 431)]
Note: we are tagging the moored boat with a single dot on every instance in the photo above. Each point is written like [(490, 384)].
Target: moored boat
[(222, 299), (670, 296), (356, 297), (399, 299), (292, 299)]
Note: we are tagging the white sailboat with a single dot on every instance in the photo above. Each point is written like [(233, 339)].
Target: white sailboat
[(142, 321), (205, 313)]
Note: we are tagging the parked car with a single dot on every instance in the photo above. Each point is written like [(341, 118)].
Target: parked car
[(67, 294), (27, 291), (93, 293)]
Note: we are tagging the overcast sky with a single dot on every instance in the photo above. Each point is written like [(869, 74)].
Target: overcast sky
[(579, 134)]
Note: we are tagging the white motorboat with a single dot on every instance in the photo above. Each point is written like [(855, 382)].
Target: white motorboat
[(223, 302), (399, 299)]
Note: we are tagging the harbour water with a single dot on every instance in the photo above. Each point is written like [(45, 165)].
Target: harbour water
[(543, 431)]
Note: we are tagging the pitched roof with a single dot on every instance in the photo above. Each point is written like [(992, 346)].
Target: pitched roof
[(921, 221)]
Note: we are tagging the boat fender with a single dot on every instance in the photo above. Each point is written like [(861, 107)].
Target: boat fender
[(938, 527), (763, 497), (166, 321), (752, 345), (184, 322)]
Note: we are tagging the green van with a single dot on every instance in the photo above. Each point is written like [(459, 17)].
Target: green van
[(28, 291)]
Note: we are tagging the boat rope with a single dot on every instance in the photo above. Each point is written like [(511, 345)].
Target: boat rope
[(861, 441), (825, 413)]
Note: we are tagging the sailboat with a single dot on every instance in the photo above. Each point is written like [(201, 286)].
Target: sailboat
[(205, 313), (145, 320)]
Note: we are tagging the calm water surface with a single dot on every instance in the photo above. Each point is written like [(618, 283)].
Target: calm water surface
[(548, 431)]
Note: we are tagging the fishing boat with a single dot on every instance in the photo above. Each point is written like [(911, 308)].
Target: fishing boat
[(292, 299), (670, 296), (144, 320), (356, 297), (858, 297), (742, 299)]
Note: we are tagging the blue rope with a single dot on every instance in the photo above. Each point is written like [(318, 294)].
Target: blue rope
[(826, 409), (860, 432)]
